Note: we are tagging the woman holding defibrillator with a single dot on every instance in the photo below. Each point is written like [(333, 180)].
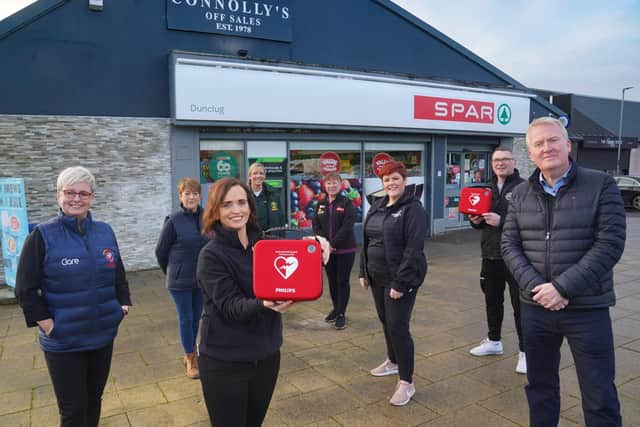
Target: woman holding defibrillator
[(334, 218), (393, 265), (241, 336)]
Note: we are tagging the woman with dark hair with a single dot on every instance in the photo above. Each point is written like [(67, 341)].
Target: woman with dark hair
[(177, 253), (71, 283), (334, 218), (393, 265), (239, 351)]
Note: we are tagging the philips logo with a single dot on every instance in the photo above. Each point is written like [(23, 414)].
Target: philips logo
[(70, 261), (286, 290)]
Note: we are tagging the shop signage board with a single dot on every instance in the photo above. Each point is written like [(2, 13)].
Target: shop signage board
[(266, 19), (14, 225), (213, 90)]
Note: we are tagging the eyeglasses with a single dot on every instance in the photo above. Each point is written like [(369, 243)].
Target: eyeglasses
[(70, 194), (502, 160), (190, 194)]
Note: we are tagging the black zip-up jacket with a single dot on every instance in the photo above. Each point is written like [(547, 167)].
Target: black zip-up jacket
[(490, 243), (235, 325), (572, 240), (404, 231), (336, 224)]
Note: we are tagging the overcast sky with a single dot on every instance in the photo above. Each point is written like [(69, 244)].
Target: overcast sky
[(589, 47)]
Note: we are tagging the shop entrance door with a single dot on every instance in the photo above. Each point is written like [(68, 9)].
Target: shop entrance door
[(464, 168)]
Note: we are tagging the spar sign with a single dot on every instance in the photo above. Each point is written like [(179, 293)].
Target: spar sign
[(460, 110)]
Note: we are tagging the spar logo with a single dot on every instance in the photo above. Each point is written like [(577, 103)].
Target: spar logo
[(459, 110)]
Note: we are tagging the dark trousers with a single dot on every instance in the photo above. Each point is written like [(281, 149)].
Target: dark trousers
[(237, 394), (395, 315), (189, 308), (78, 380), (493, 276), (590, 339), (338, 271)]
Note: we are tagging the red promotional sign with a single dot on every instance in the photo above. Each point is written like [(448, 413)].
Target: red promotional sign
[(379, 160), (452, 110), (329, 162)]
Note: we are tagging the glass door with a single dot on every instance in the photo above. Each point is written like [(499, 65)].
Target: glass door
[(464, 168)]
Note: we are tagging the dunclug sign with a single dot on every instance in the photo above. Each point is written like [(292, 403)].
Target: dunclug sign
[(268, 19)]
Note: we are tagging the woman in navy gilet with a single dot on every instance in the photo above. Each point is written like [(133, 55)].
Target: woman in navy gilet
[(71, 283), (177, 252)]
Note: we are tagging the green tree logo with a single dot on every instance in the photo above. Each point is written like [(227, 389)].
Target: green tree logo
[(504, 114)]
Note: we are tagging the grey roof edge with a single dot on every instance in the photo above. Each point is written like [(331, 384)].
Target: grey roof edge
[(450, 42), (552, 108), (26, 16)]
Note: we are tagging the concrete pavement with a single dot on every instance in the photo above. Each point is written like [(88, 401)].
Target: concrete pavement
[(324, 379)]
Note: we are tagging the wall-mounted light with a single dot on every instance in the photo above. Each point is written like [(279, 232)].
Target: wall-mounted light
[(96, 5), (243, 52)]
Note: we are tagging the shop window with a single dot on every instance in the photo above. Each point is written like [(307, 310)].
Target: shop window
[(307, 169)]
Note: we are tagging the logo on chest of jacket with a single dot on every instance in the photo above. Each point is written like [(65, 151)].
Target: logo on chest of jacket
[(69, 261), (507, 196), (397, 214), (109, 257)]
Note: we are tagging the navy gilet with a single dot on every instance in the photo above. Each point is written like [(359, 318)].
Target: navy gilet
[(79, 275), (183, 253)]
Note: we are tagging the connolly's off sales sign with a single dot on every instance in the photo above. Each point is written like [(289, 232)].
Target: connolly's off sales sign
[(267, 19)]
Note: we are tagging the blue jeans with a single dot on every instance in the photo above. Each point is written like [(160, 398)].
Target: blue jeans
[(590, 339), (189, 307)]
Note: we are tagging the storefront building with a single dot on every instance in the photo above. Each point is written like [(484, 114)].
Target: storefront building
[(145, 93)]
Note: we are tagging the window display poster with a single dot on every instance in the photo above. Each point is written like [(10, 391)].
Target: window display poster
[(306, 187), (14, 225), (215, 165)]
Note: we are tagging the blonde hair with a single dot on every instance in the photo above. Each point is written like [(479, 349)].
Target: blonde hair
[(541, 121), (74, 175)]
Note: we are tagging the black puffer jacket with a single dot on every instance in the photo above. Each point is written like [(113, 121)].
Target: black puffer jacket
[(572, 240), (235, 325), (404, 231), (491, 235)]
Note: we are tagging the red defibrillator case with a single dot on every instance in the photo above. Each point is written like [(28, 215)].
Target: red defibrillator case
[(286, 270), (475, 200)]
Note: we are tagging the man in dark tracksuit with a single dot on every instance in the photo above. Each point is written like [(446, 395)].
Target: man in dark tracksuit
[(564, 233), (494, 273)]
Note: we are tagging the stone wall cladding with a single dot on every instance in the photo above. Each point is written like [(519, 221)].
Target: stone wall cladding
[(130, 158), (521, 154)]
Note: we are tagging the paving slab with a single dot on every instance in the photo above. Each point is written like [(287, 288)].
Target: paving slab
[(324, 379)]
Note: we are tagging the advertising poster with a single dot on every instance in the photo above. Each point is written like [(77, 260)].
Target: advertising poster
[(306, 187), (15, 226)]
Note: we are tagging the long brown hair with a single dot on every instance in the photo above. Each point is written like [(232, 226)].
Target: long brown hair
[(215, 198)]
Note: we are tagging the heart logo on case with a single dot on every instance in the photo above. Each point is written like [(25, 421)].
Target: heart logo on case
[(285, 266), (474, 199)]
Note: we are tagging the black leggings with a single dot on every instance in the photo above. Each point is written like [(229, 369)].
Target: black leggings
[(237, 394), (78, 380), (395, 315), (338, 271)]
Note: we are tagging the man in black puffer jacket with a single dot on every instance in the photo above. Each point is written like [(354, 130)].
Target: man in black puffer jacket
[(494, 274), (564, 233)]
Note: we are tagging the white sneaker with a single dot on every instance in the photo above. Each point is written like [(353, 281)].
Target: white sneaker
[(384, 369), (487, 347), (521, 368)]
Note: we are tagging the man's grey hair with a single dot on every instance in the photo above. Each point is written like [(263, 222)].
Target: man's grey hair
[(547, 121), (74, 175)]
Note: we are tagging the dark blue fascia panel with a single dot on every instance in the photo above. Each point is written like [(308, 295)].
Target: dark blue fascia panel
[(606, 113), (73, 61)]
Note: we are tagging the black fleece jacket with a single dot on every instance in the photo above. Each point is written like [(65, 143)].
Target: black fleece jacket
[(336, 224), (235, 325), (404, 231)]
